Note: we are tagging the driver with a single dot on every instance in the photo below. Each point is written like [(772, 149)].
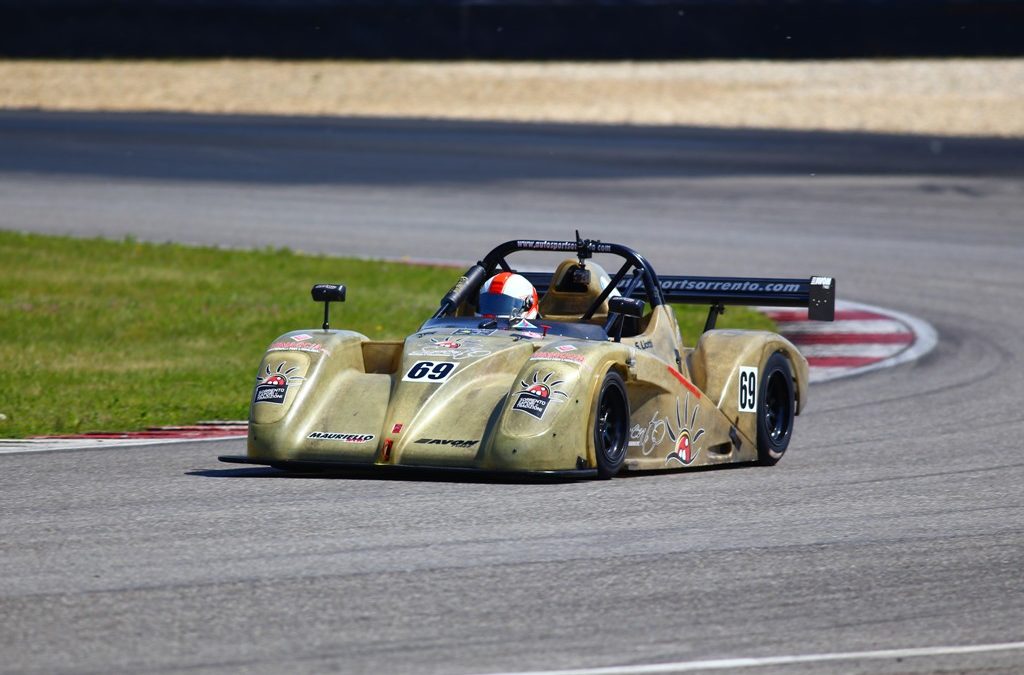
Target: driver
[(508, 295)]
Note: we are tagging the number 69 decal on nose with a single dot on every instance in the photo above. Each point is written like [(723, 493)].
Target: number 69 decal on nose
[(430, 371), (748, 389)]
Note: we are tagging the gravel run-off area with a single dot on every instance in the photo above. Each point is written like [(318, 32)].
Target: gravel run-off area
[(970, 97)]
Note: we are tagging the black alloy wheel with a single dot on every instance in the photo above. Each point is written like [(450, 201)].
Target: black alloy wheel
[(611, 425), (776, 408)]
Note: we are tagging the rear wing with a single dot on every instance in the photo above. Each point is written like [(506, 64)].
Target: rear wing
[(817, 294)]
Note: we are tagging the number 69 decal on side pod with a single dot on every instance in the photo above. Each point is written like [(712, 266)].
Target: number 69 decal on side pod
[(430, 371), (748, 389)]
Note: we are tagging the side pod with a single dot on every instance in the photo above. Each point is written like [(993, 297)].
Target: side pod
[(721, 356)]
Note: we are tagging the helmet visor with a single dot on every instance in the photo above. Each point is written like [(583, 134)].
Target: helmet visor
[(499, 305)]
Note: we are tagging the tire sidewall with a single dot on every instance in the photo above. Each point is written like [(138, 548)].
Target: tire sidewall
[(770, 451), (608, 466)]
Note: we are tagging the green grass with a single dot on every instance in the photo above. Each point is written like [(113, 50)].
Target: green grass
[(107, 335)]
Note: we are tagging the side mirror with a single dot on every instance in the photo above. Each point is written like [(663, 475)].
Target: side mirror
[(328, 293), (627, 306), (624, 307)]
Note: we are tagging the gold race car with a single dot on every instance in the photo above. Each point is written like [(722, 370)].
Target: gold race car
[(588, 380)]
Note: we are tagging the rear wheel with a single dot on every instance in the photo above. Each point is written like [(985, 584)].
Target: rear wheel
[(611, 425), (776, 407)]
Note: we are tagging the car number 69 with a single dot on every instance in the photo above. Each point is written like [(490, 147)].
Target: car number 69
[(748, 389), (430, 371)]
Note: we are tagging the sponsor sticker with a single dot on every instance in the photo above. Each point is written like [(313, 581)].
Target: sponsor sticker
[(643, 344), (447, 441), (341, 437), (302, 337), (728, 285), (824, 282), (433, 372), (748, 389), (565, 348), (474, 331), (537, 393), (311, 347), (636, 436), (397, 429), (558, 356), (272, 385), (452, 347), (547, 245)]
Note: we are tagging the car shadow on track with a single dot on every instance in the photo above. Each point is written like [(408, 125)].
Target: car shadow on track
[(370, 474), (439, 476)]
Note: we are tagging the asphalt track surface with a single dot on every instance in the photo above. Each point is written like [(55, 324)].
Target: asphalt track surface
[(895, 521)]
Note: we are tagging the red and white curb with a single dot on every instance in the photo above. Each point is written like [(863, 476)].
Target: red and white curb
[(861, 339), (204, 431)]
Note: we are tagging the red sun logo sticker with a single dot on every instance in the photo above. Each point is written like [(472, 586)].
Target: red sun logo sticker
[(540, 390), (684, 451)]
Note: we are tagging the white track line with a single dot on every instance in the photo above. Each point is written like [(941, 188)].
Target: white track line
[(722, 664), (20, 445)]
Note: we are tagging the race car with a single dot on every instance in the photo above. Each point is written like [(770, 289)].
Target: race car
[(576, 373)]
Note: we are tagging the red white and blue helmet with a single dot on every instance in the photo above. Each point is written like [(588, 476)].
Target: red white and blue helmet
[(508, 294)]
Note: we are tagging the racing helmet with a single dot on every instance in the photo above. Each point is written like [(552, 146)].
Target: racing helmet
[(507, 294)]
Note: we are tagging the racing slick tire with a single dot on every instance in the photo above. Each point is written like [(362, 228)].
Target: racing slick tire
[(611, 425), (776, 406)]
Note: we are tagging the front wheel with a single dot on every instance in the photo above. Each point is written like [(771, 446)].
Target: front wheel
[(611, 425), (775, 409)]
